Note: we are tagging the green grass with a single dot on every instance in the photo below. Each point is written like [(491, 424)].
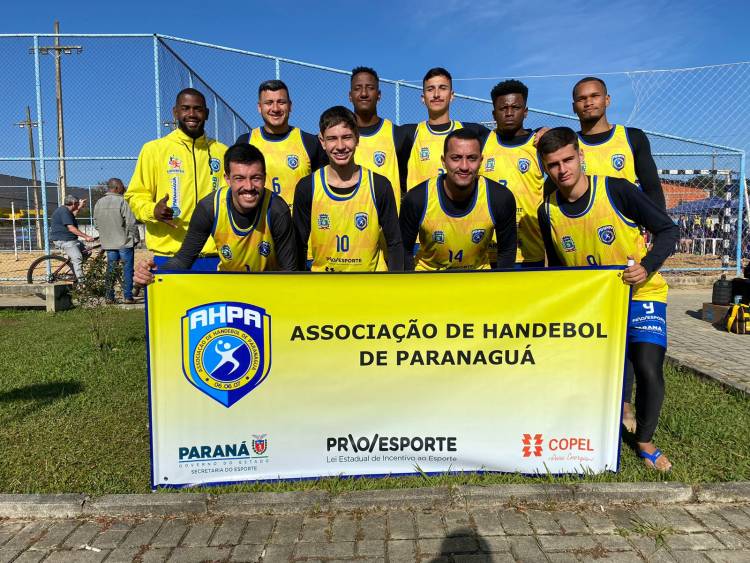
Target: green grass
[(74, 417)]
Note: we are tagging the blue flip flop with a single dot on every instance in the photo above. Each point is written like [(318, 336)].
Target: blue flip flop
[(652, 458)]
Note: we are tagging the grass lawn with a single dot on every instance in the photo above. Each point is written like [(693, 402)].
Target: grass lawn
[(73, 416)]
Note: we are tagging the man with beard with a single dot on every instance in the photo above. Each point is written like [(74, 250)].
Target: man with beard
[(172, 175), (291, 154), (249, 224)]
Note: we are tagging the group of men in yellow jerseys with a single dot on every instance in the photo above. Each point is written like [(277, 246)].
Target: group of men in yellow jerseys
[(461, 186)]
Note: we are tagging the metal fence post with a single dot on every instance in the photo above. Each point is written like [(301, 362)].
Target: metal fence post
[(28, 215), (157, 87), (278, 68), (740, 212), (216, 119), (398, 103), (40, 138), (234, 126)]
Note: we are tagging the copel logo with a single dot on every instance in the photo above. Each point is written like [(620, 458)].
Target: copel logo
[(532, 445)]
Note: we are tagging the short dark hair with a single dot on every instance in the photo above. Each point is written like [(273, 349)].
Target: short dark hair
[(509, 87), (337, 115), (114, 183), (557, 138), (464, 134), (589, 79), (273, 86), (366, 70), (437, 71), (189, 92), (243, 153)]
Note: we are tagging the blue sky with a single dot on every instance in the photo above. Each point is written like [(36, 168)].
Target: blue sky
[(400, 39)]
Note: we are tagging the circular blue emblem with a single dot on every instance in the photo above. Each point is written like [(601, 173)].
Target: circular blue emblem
[(214, 164), (226, 358), (176, 211), (226, 252), (523, 165)]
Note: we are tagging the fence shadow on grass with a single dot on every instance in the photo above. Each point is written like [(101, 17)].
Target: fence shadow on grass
[(35, 396)]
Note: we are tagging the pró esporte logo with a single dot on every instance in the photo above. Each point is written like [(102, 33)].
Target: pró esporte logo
[(226, 349), (532, 445)]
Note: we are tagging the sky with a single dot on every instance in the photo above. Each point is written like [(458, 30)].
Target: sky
[(111, 87)]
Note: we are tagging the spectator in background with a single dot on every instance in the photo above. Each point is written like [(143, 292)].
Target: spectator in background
[(118, 234), (64, 232)]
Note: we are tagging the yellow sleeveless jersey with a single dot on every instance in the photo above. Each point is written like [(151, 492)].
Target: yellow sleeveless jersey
[(612, 157), (243, 250), (455, 243), (345, 229), (378, 153), (601, 236), (287, 161), (424, 159), (518, 169)]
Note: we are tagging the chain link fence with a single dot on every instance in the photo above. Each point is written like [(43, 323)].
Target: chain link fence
[(118, 93)]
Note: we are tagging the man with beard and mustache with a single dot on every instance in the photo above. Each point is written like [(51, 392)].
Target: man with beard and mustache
[(172, 175), (249, 224)]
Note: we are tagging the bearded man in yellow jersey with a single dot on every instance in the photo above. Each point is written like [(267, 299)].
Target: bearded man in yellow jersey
[(456, 213), (341, 209), (421, 151), (291, 154), (596, 220), (172, 174), (509, 157), (249, 224)]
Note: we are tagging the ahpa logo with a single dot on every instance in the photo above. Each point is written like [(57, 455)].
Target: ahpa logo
[(360, 221), (523, 165), (378, 158), (292, 161), (226, 349), (530, 442)]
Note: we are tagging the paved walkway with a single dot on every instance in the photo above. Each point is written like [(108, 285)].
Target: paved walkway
[(700, 346), (718, 532)]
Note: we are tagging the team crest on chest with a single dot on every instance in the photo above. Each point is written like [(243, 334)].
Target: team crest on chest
[(606, 234), (324, 221), (523, 165), (489, 165), (264, 248), (424, 153), (226, 252), (477, 235), (618, 161), (292, 161), (215, 164), (568, 244), (378, 158), (438, 237), (361, 221), (226, 349)]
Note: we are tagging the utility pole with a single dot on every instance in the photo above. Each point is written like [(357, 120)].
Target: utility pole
[(57, 51), (29, 125)]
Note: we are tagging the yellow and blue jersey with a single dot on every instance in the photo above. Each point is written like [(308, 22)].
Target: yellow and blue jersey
[(243, 250), (424, 160), (344, 230), (449, 242), (601, 236), (613, 157)]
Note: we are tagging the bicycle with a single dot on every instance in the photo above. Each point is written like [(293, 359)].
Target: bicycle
[(61, 267)]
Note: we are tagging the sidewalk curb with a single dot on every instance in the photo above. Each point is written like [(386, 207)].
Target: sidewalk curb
[(238, 504)]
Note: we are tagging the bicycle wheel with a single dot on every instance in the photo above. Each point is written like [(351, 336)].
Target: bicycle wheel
[(60, 270)]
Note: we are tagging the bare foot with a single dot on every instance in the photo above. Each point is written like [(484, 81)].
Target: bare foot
[(628, 418), (661, 463)]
